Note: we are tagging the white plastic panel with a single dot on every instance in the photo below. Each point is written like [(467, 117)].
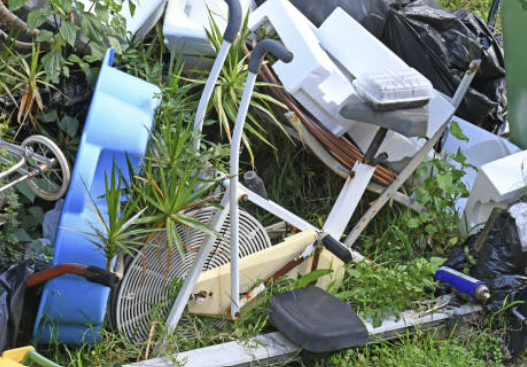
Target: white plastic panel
[(321, 86), (481, 148), (497, 184)]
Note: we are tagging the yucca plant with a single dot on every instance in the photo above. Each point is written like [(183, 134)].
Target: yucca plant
[(120, 231), (174, 180), (229, 88), (26, 80)]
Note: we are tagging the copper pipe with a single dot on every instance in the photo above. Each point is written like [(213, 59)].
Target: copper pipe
[(342, 149)]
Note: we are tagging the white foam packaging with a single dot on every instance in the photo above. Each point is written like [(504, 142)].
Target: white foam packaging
[(186, 22)]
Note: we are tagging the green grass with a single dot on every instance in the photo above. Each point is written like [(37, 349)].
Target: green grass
[(420, 350)]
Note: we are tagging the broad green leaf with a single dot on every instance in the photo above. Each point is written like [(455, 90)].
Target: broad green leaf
[(456, 131), (44, 36), (16, 4), (68, 31), (311, 277), (69, 125), (37, 17)]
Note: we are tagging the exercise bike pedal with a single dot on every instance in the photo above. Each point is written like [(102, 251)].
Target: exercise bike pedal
[(317, 321)]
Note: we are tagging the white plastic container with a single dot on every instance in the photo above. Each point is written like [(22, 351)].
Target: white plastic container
[(390, 89), (186, 22)]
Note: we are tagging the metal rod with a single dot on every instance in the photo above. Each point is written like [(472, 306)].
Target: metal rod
[(465, 84), (192, 276), (234, 198), (209, 87)]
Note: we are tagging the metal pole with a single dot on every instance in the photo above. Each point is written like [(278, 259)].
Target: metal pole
[(192, 276), (209, 87), (234, 171)]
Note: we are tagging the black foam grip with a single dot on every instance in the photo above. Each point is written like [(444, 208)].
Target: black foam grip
[(338, 249), (262, 48), (235, 21), (101, 276)]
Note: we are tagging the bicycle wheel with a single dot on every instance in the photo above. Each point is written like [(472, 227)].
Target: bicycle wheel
[(51, 183)]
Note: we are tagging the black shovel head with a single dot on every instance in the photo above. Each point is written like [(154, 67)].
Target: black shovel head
[(317, 321)]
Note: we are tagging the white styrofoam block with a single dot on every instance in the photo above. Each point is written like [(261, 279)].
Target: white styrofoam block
[(497, 184), (312, 77), (146, 15), (362, 54), (356, 49), (186, 22), (482, 147)]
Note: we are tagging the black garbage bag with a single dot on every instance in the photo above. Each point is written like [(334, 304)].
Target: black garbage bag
[(500, 259), (502, 251), (440, 45), (12, 292)]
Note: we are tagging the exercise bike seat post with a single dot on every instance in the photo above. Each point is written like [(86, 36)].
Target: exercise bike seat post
[(255, 64)]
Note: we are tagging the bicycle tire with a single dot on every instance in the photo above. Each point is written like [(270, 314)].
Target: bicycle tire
[(62, 171)]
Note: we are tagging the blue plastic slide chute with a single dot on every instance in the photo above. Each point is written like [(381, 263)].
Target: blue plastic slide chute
[(119, 122)]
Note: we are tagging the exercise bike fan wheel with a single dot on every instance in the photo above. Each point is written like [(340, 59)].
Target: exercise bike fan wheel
[(147, 285)]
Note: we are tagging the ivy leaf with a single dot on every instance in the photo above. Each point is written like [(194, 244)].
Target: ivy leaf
[(114, 42), (68, 31), (37, 17), (422, 196), (44, 36), (16, 4), (69, 125), (456, 131)]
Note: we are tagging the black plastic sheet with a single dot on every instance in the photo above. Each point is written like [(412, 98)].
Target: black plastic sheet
[(441, 45), (12, 292)]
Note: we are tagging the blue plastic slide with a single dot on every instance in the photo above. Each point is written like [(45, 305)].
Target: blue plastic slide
[(119, 122)]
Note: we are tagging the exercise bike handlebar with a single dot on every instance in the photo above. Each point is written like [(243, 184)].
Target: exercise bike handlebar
[(262, 48), (235, 20)]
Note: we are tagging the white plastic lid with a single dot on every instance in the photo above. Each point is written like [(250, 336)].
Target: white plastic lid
[(392, 87)]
